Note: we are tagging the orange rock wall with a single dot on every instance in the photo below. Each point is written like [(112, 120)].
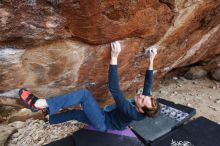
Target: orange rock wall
[(55, 46)]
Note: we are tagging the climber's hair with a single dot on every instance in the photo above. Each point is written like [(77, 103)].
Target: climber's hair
[(154, 111)]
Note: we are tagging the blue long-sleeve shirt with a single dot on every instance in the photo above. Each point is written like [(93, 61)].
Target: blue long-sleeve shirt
[(120, 115)]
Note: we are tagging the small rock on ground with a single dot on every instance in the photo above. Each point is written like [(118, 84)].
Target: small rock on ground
[(216, 74), (195, 73)]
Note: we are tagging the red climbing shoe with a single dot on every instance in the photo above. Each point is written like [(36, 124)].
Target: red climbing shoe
[(29, 99)]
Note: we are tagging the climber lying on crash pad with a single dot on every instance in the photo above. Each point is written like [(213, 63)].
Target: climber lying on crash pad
[(117, 116)]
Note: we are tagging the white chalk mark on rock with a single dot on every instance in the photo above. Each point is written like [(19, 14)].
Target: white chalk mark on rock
[(10, 56)]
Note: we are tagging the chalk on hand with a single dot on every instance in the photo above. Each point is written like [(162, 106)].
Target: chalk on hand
[(153, 48)]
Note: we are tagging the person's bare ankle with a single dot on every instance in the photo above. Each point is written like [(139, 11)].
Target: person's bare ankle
[(41, 103)]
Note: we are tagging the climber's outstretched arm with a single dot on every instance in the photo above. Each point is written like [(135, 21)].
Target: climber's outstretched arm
[(149, 73), (113, 78)]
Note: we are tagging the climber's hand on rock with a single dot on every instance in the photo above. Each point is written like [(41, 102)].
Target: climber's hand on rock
[(115, 51), (152, 53)]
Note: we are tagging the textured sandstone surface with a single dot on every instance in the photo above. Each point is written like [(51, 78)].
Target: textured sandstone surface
[(55, 46)]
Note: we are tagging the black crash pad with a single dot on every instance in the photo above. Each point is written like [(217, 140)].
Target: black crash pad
[(198, 132), (86, 137), (171, 116)]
